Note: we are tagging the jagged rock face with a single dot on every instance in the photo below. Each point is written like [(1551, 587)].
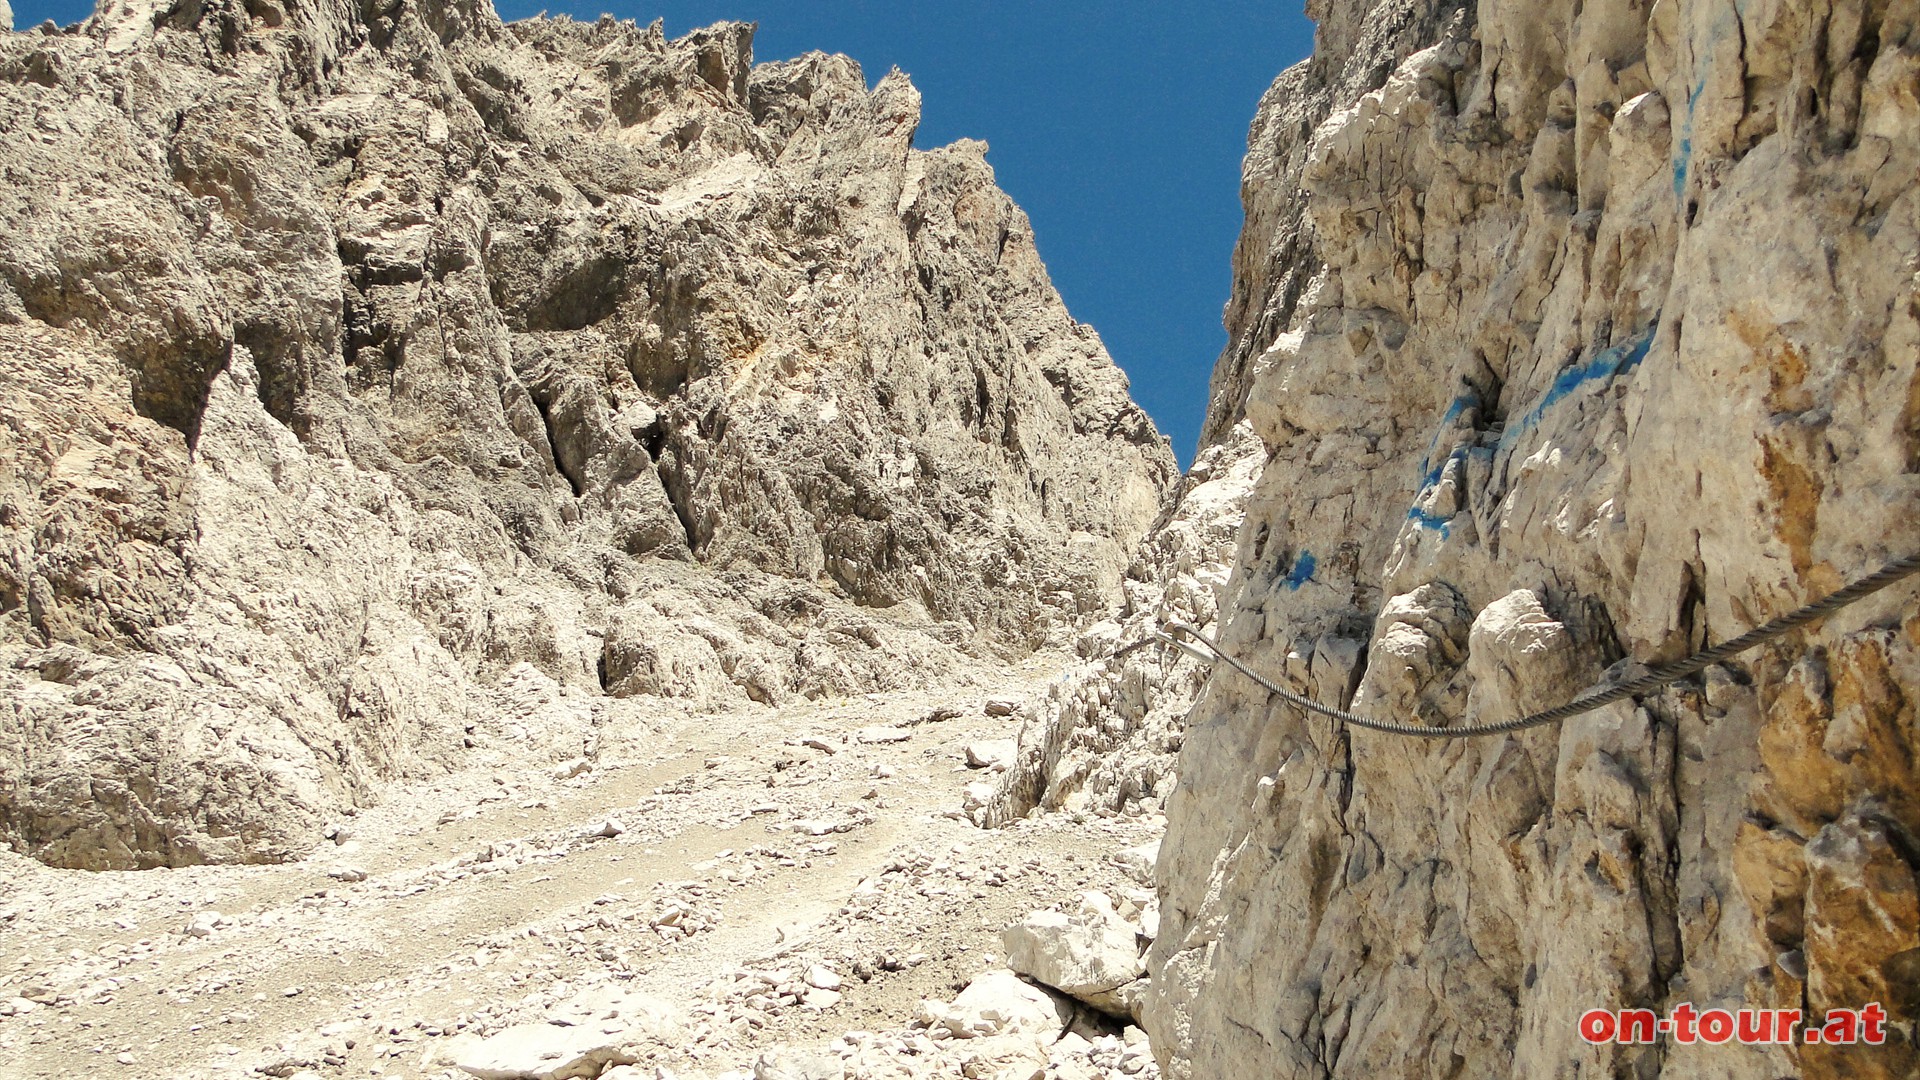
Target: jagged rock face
[(383, 384), (1601, 339)]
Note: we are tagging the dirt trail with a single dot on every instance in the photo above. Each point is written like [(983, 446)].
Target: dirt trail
[(761, 841)]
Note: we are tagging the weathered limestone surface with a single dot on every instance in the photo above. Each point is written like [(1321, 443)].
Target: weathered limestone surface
[(382, 387), (1575, 330)]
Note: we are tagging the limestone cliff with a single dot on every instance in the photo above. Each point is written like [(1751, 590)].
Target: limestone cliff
[(384, 386), (1590, 330)]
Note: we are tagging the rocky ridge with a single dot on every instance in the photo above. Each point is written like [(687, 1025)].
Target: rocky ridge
[(391, 391), (1111, 734), (1106, 735)]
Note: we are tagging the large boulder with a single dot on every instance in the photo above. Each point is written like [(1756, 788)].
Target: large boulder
[(999, 1003), (1092, 954)]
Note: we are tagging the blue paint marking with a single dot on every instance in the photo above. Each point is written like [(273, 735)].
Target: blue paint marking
[(1607, 365), (1721, 26), (1302, 571), (1458, 406), (1430, 473), (1684, 160), (1433, 522), (1432, 476)]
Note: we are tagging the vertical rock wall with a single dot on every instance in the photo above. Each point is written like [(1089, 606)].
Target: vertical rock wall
[(1599, 338)]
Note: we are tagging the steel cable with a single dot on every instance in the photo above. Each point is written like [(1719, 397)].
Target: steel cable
[(1895, 571)]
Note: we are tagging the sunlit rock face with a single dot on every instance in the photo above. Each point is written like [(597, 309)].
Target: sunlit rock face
[(1572, 331), (387, 385)]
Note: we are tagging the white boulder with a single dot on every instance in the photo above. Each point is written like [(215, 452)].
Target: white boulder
[(993, 754), (999, 1003), (1092, 955)]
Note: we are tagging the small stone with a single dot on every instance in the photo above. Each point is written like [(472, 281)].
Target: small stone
[(822, 977), (1793, 963), (347, 874), (1001, 707), (883, 735), (815, 827), (542, 1052), (991, 753), (204, 924)]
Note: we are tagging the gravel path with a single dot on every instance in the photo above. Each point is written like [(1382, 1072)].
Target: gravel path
[(781, 877)]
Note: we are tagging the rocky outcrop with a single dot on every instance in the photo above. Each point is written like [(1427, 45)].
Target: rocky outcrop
[(1598, 338), (388, 390)]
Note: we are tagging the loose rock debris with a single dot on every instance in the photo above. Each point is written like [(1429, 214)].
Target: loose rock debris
[(735, 908)]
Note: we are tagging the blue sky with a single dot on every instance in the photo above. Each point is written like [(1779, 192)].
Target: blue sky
[(1118, 126)]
